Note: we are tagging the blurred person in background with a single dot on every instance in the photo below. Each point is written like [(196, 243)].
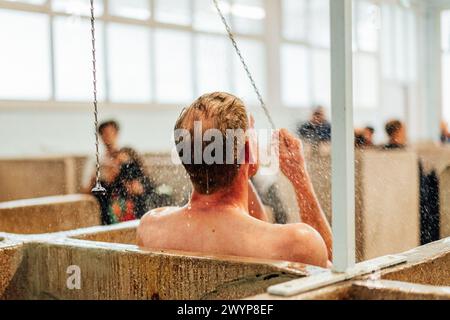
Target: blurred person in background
[(445, 133), (396, 132), (364, 137), (129, 192), (109, 134), (133, 193), (360, 139), (317, 129), (369, 133)]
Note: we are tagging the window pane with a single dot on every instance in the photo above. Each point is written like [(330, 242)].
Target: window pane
[(294, 19), (24, 75), (295, 76), (400, 37), (206, 17), (173, 66), (212, 55), (254, 55), (445, 30), (248, 16), (129, 63), (77, 7), (365, 81), (321, 78), (411, 46), (368, 25), (73, 59), (320, 23), (387, 44), (173, 11), (135, 9)]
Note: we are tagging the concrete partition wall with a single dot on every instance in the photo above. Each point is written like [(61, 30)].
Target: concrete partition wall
[(388, 196), (433, 156), (423, 275), (48, 176), (123, 233), (11, 255), (112, 271), (436, 157), (444, 197), (40, 177), (426, 265), (386, 199), (51, 214)]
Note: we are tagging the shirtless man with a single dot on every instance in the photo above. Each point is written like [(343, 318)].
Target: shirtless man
[(217, 218)]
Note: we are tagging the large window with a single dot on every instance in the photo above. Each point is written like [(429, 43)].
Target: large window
[(170, 51), (384, 46), (148, 51), (445, 32), (306, 54)]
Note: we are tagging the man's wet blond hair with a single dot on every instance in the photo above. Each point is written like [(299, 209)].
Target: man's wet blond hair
[(221, 111)]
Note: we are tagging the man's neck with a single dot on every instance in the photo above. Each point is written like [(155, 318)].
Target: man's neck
[(235, 196)]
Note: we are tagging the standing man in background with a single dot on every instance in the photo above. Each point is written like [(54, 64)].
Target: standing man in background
[(109, 134)]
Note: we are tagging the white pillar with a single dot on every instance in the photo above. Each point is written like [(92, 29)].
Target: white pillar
[(343, 168), (433, 72)]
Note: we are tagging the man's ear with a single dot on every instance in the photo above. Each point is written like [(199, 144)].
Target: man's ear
[(251, 158)]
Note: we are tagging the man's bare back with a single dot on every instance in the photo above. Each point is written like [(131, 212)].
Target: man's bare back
[(218, 220), (230, 231)]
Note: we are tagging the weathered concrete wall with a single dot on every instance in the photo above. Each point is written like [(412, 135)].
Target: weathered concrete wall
[(124, 272), (123, 233), (433, 156), (39, 177), (396, 290), (444, 197), (389, 194), (11, 255), (370, 290), (437, 157), (424, 275), (386, 199), (38, 270), (52, 214), (428, 265)]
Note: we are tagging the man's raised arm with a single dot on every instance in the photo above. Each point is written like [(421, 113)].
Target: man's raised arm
[(293, 166)]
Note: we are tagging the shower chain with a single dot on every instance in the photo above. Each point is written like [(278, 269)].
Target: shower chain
[(98, 187), (244, 64)]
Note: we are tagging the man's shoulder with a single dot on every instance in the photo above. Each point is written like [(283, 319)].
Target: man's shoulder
[(303, 244), (297, 229), (158, 214), (151, 222)]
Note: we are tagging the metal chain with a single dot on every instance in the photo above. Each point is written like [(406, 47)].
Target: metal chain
[(244, 64), (98, 186)]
